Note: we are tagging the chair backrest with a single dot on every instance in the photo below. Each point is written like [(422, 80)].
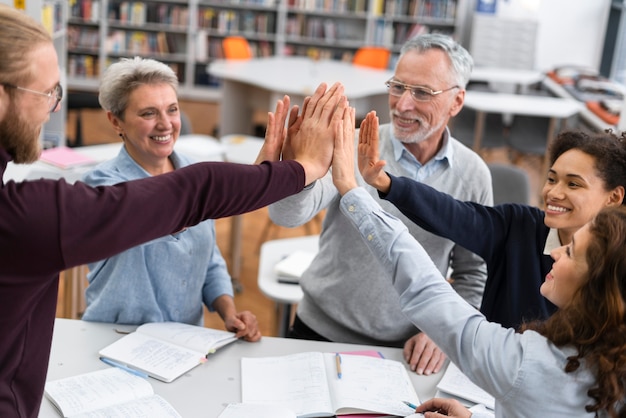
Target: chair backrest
[(511, 184), (236, 48), (372, 56)]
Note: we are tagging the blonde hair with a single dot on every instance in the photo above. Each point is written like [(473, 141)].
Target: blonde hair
[(18, 33)]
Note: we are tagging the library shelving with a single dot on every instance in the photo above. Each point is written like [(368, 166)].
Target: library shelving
[(53, 15), (187, 35)]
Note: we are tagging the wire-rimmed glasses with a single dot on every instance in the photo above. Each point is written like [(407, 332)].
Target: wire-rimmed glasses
[(418, 93), (54, 96)]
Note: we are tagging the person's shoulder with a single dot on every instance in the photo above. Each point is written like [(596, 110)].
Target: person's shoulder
[(465, 154), (105, 173)]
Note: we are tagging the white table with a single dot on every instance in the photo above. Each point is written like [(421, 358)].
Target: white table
[(284, 294), (258, 83), (206, 389), (516, 77), (517, 104)]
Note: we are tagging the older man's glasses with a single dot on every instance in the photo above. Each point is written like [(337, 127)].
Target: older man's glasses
[(54, 96), (418, 93)]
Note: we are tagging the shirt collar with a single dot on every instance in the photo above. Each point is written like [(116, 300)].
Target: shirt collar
[(553, 241), (127, 163), (446, 151)]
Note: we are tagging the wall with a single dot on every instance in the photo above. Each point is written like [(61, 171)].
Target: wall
[(570, 32)]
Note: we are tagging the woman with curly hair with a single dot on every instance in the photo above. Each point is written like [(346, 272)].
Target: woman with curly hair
[(571, 365)]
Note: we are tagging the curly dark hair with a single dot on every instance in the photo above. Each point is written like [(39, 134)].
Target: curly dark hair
[(595, 320), (607, 149)]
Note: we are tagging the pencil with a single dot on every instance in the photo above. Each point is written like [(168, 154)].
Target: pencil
[(338, 363)]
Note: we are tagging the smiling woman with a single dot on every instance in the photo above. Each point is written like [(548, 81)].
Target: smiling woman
[(173, 277)]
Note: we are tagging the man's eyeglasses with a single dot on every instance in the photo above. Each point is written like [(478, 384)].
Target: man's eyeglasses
[(54, 96), (419, 93)]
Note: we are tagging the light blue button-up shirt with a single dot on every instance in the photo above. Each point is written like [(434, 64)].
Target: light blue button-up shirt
[(520, 370), (167, 279), (414, 169)]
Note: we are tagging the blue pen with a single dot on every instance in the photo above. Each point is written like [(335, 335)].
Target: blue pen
[(410, 405), (123, 367)]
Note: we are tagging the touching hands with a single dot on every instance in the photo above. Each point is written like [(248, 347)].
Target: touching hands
[(244, 325), (438, 407), (422, 355), (310, 138), (370, 165), (343, 155), (275, 132)]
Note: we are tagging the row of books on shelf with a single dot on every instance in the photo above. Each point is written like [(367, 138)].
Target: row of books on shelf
[(319, 28), (145, 43), (399, 33), (88, 10), (437, 9), (140, 13), (329, 5), (84, 38), (83, 66), (235, 21)]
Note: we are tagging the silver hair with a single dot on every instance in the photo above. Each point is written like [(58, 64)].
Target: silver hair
[(124, 76), (462, 61)]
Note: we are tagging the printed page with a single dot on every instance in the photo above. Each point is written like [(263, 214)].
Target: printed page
[(456, 383), (157, 358), (247, 410), (298, 382), (95, 390), (197, 338), (152, 407), (370, 384)]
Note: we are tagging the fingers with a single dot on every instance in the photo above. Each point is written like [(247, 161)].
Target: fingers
[(323, 104), (248, 326), (439, 407), (274, 134), (423, 355)]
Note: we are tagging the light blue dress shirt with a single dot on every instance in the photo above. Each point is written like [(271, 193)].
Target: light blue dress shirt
[(167, 279), (524, 372)]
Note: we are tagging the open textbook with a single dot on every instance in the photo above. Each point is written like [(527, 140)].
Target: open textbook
[(110, 393), (166, 350), (309, 384)]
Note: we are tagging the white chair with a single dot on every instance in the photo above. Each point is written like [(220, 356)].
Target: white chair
[(285, 295)]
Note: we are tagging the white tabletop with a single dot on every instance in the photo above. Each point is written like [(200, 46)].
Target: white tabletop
[(206, 389), (518, 104), (300, 76), (506, 75)]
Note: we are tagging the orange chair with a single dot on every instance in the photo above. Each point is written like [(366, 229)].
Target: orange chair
[(236, 48), (372, 56)]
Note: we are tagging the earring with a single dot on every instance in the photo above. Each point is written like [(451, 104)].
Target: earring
[(121, 135)]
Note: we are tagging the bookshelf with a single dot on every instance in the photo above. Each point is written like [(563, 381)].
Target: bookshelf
[(187, 34), (53, 15)]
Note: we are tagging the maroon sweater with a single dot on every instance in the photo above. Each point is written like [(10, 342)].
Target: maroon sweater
[(47, 226)]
